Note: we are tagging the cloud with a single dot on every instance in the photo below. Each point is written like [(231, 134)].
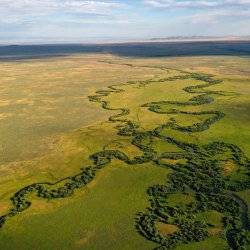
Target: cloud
[(57, 5), (198, 4), (206, 11), (30, 10), (219, 16), (23, 20)]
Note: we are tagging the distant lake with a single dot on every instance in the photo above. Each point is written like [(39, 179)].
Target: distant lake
[(152, 49)]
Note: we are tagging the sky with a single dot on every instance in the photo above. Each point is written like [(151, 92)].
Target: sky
[(49, 21)]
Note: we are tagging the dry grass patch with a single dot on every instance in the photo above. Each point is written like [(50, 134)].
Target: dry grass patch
[(229, 167), (166, 229)]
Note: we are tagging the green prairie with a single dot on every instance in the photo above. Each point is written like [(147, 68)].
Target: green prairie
[(97, 149)]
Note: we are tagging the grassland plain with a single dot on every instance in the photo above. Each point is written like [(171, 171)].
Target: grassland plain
[(42, 103), (175, 125)]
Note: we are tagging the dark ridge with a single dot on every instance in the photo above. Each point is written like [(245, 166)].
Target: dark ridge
[(152, 49)]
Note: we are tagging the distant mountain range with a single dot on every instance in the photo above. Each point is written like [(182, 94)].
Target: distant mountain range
[(103, 41), (201, 38), (151, 48)]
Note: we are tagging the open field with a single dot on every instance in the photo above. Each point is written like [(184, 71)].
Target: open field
[(42, 103), (106, 152)]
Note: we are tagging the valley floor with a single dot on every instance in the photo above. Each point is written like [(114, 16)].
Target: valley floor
[(105, 152)]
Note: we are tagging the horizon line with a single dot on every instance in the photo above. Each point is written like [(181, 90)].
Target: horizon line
[(229, 38)]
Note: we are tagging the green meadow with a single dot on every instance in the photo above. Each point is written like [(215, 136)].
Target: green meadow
[(106, 152)]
